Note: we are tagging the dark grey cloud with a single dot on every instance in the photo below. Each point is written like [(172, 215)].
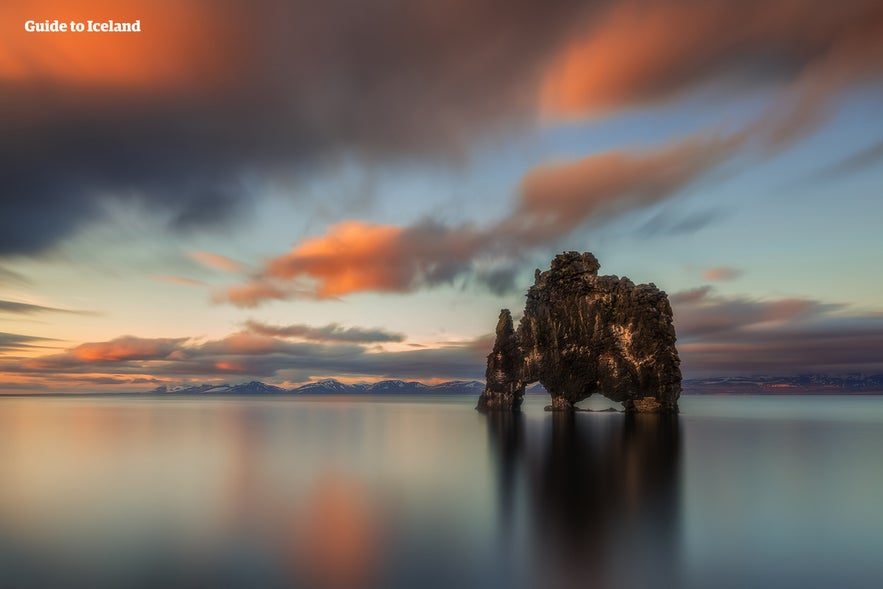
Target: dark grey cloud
[(15, 341), (8, 276), (296, 85), (731, 336), (291, 84), (667, 222), (29, 309), (856, 162), (326, 333)]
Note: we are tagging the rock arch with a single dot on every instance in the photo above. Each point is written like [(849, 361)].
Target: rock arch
[(583, 334)]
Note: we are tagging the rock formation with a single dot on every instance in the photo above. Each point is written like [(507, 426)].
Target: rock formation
[(505, 387), (583, 334)]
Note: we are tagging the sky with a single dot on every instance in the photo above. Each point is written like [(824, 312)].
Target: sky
[(290, 191)]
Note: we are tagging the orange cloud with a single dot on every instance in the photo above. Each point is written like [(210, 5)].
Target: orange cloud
[(721, 273), (179, 280), (217, 261), (241, 343), (231, 366), (642, 53), (126, 348), (250, 295), (353, 256), (557, 197), (178, 45)]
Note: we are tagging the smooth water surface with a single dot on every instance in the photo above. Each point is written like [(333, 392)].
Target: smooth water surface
[(425, 492)]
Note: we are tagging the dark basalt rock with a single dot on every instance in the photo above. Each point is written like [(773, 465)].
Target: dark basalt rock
[(583, 334), (505, 386)]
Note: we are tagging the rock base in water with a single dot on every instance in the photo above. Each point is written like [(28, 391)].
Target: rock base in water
[(499, 402), (561, 404), (644, 405)]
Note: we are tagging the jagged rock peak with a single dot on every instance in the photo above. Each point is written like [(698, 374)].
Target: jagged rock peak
[(582, 334), (504, 388)]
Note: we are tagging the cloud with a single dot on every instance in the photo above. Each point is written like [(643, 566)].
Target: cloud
[(246, 343), (856, 162), (717, 335), (643, 53), (175, 118), (555, 199), (838, 52), (677, 223), (700, 313), (258, 291), (356, 257), (721, 273), (169, 120), (29, 309), (179, 280), (327, 333), (8, 276), (732, 336), (558, 197), (15, 341), (126, 348), (245, 354), (692, 295), (217, 261)]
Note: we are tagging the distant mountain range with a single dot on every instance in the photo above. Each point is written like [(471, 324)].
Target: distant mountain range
[(738, 385), (330, 387), (808, 384)]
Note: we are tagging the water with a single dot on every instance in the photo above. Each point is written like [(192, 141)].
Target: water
[(389, 492)]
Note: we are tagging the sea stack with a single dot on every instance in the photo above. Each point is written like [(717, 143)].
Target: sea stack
[(582, 334), (505, 385)]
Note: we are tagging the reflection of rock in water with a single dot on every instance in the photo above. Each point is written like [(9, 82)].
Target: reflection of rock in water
[(506, 430), (602, 493)]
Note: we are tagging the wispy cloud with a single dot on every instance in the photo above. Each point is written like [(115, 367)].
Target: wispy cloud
[(554, 200), (179, 280), (721, 274), (731, 335), (639, 53), (326, 333), (8, 276), (15, 341), (217, 261), (20, 308), (853, 163)]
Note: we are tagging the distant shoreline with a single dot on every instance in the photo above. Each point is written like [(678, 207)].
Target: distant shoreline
[(805, 385)]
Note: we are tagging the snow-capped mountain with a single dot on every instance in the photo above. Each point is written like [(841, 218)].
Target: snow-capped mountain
[(329, 386), (458, 387), (754, 385), (397, 387)]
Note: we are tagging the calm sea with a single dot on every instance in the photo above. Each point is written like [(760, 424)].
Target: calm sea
[(343, 492)]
